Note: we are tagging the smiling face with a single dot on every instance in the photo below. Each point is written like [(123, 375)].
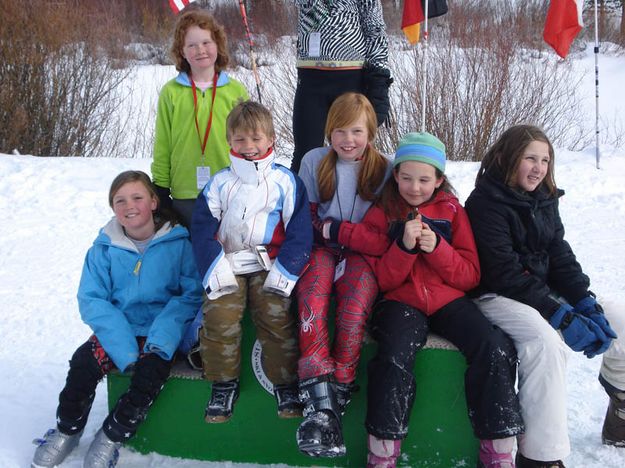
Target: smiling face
[(133, 206), (200, 50), (416, 181), (251, 145), (533, 166), (350, 142)]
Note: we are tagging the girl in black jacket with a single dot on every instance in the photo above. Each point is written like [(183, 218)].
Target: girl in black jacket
[(535, 290)]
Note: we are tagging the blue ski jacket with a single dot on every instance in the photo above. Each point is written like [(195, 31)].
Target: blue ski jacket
[(124, 294)]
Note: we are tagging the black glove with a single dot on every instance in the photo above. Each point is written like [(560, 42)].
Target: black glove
[(376, 82), (326, 230), (164, 198)]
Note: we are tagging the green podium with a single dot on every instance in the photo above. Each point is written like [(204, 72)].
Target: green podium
[(440, 434)]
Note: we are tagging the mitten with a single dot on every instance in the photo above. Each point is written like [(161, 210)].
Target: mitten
[(589, 307), (326, 230), (164, 196), (318, 230), (597, 348), (376, 82), (579, 332)]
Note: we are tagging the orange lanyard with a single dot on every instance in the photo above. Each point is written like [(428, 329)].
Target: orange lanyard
[(210, 115)]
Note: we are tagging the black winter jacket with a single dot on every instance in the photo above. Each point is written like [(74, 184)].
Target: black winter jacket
[(520, 240)]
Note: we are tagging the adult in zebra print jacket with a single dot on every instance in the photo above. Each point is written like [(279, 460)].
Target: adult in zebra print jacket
[(341, 47)]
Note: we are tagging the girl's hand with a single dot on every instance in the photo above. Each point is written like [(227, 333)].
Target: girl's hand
[(427, 241), (412, 233)]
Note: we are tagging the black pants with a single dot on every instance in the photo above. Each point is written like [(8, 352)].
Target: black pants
[(315, 93), (86, 368), (401, 331), (184, 210)]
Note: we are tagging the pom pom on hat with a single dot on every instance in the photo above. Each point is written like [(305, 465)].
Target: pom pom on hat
[(422, 147)]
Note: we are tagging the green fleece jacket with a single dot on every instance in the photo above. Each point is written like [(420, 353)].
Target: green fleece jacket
[(177, 149)]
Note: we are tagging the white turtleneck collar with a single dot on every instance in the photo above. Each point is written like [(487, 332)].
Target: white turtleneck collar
[(251, 171)]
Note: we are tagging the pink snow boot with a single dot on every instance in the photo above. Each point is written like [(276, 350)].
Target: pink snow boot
[(497, 453), (382, 453)]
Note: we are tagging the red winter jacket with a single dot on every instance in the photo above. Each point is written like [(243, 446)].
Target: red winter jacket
[(428, 281)]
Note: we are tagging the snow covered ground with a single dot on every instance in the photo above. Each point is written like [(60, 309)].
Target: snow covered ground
[(52, 209)]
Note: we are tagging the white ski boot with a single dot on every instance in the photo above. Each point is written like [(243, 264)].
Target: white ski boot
[(102, 453), (53, 448)]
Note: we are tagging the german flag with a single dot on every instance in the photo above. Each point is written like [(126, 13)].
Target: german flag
[(411, 20)]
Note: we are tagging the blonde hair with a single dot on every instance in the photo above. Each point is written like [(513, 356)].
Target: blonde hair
[(345, 110), (204, 20), (250, 116)]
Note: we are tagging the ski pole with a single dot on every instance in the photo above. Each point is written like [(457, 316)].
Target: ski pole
[(424, 73), (250, 42)]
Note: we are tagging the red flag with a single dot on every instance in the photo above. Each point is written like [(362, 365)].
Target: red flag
[(178, 5), (564, 21), (411, 20)]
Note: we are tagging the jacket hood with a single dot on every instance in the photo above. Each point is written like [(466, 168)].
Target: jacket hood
[(184, 79), (113, 234)]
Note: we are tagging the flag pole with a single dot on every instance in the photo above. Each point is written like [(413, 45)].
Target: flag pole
[(597, 147), (425, 66)]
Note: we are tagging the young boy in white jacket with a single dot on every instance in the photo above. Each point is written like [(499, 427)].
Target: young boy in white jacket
[(252, 237)]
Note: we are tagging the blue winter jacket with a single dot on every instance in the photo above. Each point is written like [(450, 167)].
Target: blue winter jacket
[(124, 294)]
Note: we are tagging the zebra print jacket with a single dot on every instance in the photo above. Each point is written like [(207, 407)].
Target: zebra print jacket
[(350, 30)]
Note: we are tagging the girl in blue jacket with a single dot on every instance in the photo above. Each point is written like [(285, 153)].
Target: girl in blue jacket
[(139, 288)]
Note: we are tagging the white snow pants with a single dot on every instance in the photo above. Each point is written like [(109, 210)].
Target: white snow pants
[(542, 372), (613, 364), (542, 376)]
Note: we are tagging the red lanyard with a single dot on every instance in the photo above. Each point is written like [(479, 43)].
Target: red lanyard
[(210, 115)]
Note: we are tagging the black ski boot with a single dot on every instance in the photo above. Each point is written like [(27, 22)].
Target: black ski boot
[(344, 394), (320, 434), (223, 397), (287, 398), (522, 462)]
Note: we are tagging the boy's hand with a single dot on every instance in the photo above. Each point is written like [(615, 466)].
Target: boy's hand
[(427, 241)]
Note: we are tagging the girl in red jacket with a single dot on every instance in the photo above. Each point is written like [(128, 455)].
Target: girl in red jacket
[(431, 262)]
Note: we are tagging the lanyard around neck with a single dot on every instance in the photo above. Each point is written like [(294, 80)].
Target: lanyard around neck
[(338, 199), (210, 115)]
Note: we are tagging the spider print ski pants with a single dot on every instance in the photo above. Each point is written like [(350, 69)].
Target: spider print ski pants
[(355, 293)]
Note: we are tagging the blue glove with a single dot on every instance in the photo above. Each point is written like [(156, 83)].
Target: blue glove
[(579, 332), (588, 307), (597, 348)]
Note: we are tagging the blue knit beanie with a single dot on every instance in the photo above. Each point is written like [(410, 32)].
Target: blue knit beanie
[(421, 147)]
